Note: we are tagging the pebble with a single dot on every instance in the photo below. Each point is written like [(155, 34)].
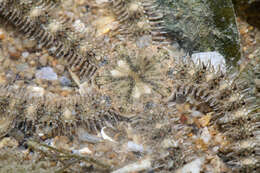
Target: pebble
[(82, 151), (85, 136), (79, 26), (2, 79), (25, 54), (43, 60), (22, 67), (32, 63), (62, 142), (131, 146), (135, 167), (64, 81), (36, 91), (65, 92), (46, 73), (60, 68), (168, 143), (8, 142), (205, 120), (29, 74), (257, 83), (101, 1), (192, 167), (205, 135), (2, 34), (14, 53), (28, 44)]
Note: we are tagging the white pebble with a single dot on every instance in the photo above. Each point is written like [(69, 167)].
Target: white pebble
[(25, 54), (79, 26), (101, 1), (82, 151), (36, 91), (131, 146), (192, 167), (83, 135), (205, 135), (135, 167), (46, 73), (216, 59)]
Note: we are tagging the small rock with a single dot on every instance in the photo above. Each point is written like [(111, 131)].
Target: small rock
[(8, 142), (83, 135), (79, 26), (204, 121), (28, 43), (101, 1), (64, 81), (32, 63), (205, 135), (82, 151), (60, 68), (192, 167), (135, 167), (257, 83), (25, 54), (14, 53), (2, 34), (43, 60), (22, 67), (62, 142), (36, 91), (29, 74), (46, 73), (168, 143), (131, 146), (251, 56), (2, 79), (65, 92)]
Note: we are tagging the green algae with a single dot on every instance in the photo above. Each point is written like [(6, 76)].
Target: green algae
[(202, 25)]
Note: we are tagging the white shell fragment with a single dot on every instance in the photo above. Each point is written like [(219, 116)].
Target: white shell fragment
[(46, 73), (205, 135), (36, 91), (83, 135), (82, 151), (105, 136), (131, 146), (192, 167), (215, 58), (138, 166)]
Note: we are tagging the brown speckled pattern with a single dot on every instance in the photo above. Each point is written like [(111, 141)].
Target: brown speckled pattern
[(175, 111)]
